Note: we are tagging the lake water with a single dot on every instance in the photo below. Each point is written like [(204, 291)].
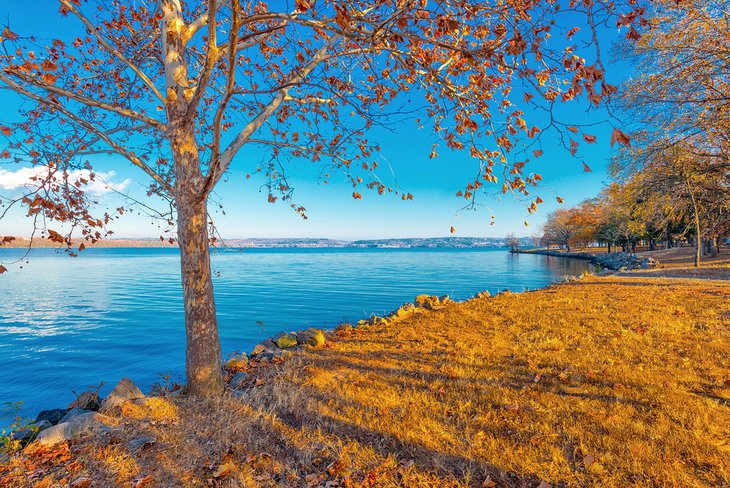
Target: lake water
[(69, 323)]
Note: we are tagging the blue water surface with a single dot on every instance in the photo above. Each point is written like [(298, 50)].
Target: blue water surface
[(70, 323)]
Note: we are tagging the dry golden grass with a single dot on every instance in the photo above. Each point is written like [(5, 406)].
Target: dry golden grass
[(684, 256), (613, 382), (678, 262)]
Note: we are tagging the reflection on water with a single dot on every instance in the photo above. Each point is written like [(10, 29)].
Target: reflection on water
[(70, 323)]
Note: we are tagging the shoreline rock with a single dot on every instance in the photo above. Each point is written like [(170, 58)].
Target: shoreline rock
[(53, 416), (84, 423), (238, 362), (124, 391)]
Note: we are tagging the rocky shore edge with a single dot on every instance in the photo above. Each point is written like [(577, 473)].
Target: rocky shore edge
[(88, 412), (615, 261)]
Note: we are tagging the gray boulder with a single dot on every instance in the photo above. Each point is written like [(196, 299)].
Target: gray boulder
[(124, 391), (73, 413), (238, 381), (279, 355), (266, 346), (239, 362), (311, 337), (81, 424), (54, 416), (88, 400), (285, 340), (27, 434)]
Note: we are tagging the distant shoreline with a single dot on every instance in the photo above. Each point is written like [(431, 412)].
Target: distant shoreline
[(285, 243)]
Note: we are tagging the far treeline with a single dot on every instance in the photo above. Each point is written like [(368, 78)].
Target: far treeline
[(672, 184)]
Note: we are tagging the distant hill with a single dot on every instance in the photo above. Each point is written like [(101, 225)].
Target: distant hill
[(286, 242), (432, 242)]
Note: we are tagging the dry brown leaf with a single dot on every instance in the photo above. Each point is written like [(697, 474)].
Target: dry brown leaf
[(335, 467), (81, 483), (144, 481)]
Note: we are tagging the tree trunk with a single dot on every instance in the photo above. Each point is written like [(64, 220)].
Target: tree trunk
[(203, 350), (609, 247), (698, 240), (713, 247)]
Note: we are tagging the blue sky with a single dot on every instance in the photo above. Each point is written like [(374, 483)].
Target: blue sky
[(332, 211)]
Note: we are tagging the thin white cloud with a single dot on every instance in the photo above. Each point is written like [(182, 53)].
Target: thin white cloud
[(31, 178)]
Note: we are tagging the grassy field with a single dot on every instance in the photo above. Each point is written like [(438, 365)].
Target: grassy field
[(612, 382), (679, 263)]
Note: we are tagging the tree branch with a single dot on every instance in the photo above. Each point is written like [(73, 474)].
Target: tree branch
[(210, 59), (91, 128), (92, 29), (219, 167), (156, 124), (230, 88)]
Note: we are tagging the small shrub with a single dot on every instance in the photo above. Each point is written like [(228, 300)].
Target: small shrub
[(9, 412)]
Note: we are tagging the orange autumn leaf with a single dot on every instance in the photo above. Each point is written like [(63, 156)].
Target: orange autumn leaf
[(6, 131), (48, 78), (9, 35), (619, 136)]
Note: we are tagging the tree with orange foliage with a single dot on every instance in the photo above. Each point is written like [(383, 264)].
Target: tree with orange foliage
[(560, 228), (681, 87), (680, 97), (178, 89), (677, 181)]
